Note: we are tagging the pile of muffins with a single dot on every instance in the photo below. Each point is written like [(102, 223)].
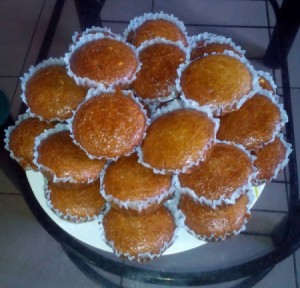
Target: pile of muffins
[(151, 131)]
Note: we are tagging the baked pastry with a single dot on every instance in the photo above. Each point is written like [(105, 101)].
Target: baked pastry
[(254, 124), (160, 60), (208, 223), (132, 188), (19, 139), (76, 205), (223, 177), (221, 81), (139, 238), (109, 124), (266, 81), (49, 92)]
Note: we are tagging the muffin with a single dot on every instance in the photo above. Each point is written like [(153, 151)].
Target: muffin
[(60, 160), (132, 188), (209, 224), (266, 82), (223, 177), (139, 238), (150, 26), (49, 92), (109, 124), (256, 123), (76, 205), (160, 60), (221, 81), (19, 139)]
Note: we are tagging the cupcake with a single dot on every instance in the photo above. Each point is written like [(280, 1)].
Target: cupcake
[(49, 92), (160, 60), (132, 188), (109, 124), (265, 81), (139, 238), (256, 123), (222, 178), (19, 139), (61, 161), (79, 204), (150, 26)]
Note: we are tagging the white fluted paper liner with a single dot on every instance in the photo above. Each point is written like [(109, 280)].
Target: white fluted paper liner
[(142, 257), (176, 105), (212, 237), (68, 216), (236, 104), (210, 38), (222, 199), (158, 40), (138, 21), (87, 82), (268, 77), (280, 166), (138, 206), (94, 93), (26, 77)]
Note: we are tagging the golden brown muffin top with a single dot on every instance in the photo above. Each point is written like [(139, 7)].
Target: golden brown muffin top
[(109, 125), (159, 70), (252, 125), (139, 234), (265, 84), (59, 154), (268, 159), (81, 202), (21, 140), (216, 80), (151, 29), (227, 169), (206, 221), (176, 139), (105, 60), (52, 93), (128, 180)]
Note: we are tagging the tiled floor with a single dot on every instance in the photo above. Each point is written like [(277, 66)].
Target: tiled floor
[(29, 257)]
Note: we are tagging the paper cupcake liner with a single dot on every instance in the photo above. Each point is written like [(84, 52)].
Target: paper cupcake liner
[(268, 77), (138, 206), (222, 199), (212, 237), (236, 104), (26, 77), (68, 217), (176, 105), (58, 128), (96, 92), (280, 166), (138, 21), (87, 82), (141, 257), (154, 41)]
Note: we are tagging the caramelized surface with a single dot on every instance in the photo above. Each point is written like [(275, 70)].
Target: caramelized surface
[(52, 93)]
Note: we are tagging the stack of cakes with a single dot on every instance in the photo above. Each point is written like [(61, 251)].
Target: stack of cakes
[(151, 131)]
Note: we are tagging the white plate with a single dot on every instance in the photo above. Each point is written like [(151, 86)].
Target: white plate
[(88, 232)]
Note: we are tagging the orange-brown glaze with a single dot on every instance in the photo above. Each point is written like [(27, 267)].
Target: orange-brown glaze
[(21, 140), (265, 84), (52, 93), (206, 221), (105, 61), (156, 28), (81, 202), (109, 125), (159, 70), (216, 80), (176, 139), (268, 159), (252, 125), (139, 234), (227, 169), (58, 153)]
